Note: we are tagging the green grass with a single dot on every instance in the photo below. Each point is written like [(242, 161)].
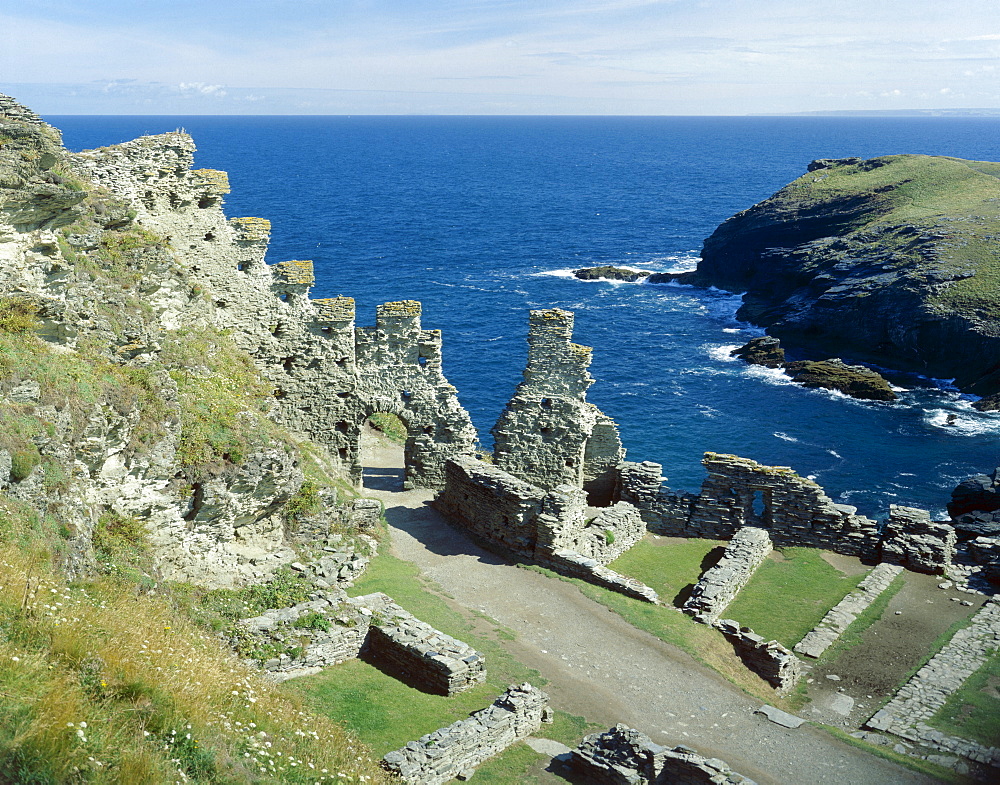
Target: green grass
[(705, 644), (384, 712), (671, 568), (803, 583), (851, 637), (390, 426), (973, 711)]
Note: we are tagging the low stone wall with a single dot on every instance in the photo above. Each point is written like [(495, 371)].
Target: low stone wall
[(624, 756), (720, 584), (768, 659), (923, 696), (455, 751), (576, 565), (840, 617), (334, 628), (913, 540), (417, 653)]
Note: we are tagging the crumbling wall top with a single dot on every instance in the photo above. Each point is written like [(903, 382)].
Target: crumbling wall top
[(294, 273), (251, 229)]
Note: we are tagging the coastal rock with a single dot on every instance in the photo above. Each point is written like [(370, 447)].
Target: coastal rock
[(875, 259), (912, 540), (610, 273), (979, 492), (991, 403), (764, 351), (854, 380)]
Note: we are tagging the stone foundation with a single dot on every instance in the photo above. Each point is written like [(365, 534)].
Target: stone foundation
[(840, 617), (768, 659), (547, 527), (720, 584), (923, 696), (455, 751), (624, 756)]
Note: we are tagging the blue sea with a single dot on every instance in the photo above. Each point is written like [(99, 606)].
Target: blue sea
[(483, 218)]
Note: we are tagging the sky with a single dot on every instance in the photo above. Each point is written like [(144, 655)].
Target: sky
[(605, 57)]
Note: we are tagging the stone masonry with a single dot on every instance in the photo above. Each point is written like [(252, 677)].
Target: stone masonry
[(720, 584), (625, 756), (912, 708), (768, 659), (841, 616), (549, 435), (550, 528), (913, 540), (455, 751), (332, 628), (328, 376)]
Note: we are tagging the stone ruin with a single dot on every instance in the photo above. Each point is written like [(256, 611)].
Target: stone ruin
[(625, 756), (719, 585), (455, 751), (332, 628), (548, 434), (553, 528), (793, 510), (328, 375)]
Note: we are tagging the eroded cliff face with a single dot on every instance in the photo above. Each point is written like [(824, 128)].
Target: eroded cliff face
[(154, 368), (894, 260)]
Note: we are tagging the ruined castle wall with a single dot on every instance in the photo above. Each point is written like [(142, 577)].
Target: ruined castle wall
[(492, 504), (912, 540), (720, 584), (768, 659), (307, 349), (740, 492), (455, 751), (548, 434), (625, 756)]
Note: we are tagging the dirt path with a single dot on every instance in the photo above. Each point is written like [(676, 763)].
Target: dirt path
[(601, 667)]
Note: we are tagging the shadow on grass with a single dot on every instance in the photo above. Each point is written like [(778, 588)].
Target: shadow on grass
[(710, 560)]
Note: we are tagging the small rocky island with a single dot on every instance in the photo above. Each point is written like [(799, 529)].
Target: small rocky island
[(832, 374), (610, 273), (892, 260)]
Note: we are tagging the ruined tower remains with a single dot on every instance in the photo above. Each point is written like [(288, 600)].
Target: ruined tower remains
[(548, 434)]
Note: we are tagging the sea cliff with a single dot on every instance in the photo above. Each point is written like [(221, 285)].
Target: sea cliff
[(893, 260)]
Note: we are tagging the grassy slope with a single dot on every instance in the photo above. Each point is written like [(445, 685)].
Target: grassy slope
[(973, 711), (959, 197)]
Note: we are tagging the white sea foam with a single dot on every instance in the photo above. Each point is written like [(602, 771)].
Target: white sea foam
[(722, 353), (784, 436), (836, 454), (960, 423)]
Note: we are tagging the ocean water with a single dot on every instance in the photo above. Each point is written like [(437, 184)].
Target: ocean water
[(482, 219)]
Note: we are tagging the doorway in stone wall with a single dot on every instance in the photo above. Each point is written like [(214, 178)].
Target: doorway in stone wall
[(382, 438)]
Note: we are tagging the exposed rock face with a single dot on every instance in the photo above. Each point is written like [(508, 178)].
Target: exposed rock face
[(609, 273), (120, 264), (764, 351), (853, 380), (975, 505), (890, 260), (548, 434), (991, 403)]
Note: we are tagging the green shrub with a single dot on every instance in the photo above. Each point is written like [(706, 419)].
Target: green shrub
[(18, 315), (609, 537), (313, 621), (23, 462)]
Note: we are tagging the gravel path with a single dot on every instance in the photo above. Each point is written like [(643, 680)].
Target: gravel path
[(601, 667)]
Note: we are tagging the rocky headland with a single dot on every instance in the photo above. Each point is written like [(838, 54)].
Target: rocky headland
[(893, 260)]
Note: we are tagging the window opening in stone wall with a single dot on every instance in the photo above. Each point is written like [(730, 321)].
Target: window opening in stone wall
[(405, 395), (209, 236), (422, 361), (241, 266), (287, 363), (283, 297), (546, 403), (760, 507)]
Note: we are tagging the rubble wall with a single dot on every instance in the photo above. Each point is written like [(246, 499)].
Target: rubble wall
[(625, 756), (768, 659), (720, 584), (455, 751), (912, 540)]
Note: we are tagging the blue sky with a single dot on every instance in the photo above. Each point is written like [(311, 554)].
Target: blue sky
[(498, 57)]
